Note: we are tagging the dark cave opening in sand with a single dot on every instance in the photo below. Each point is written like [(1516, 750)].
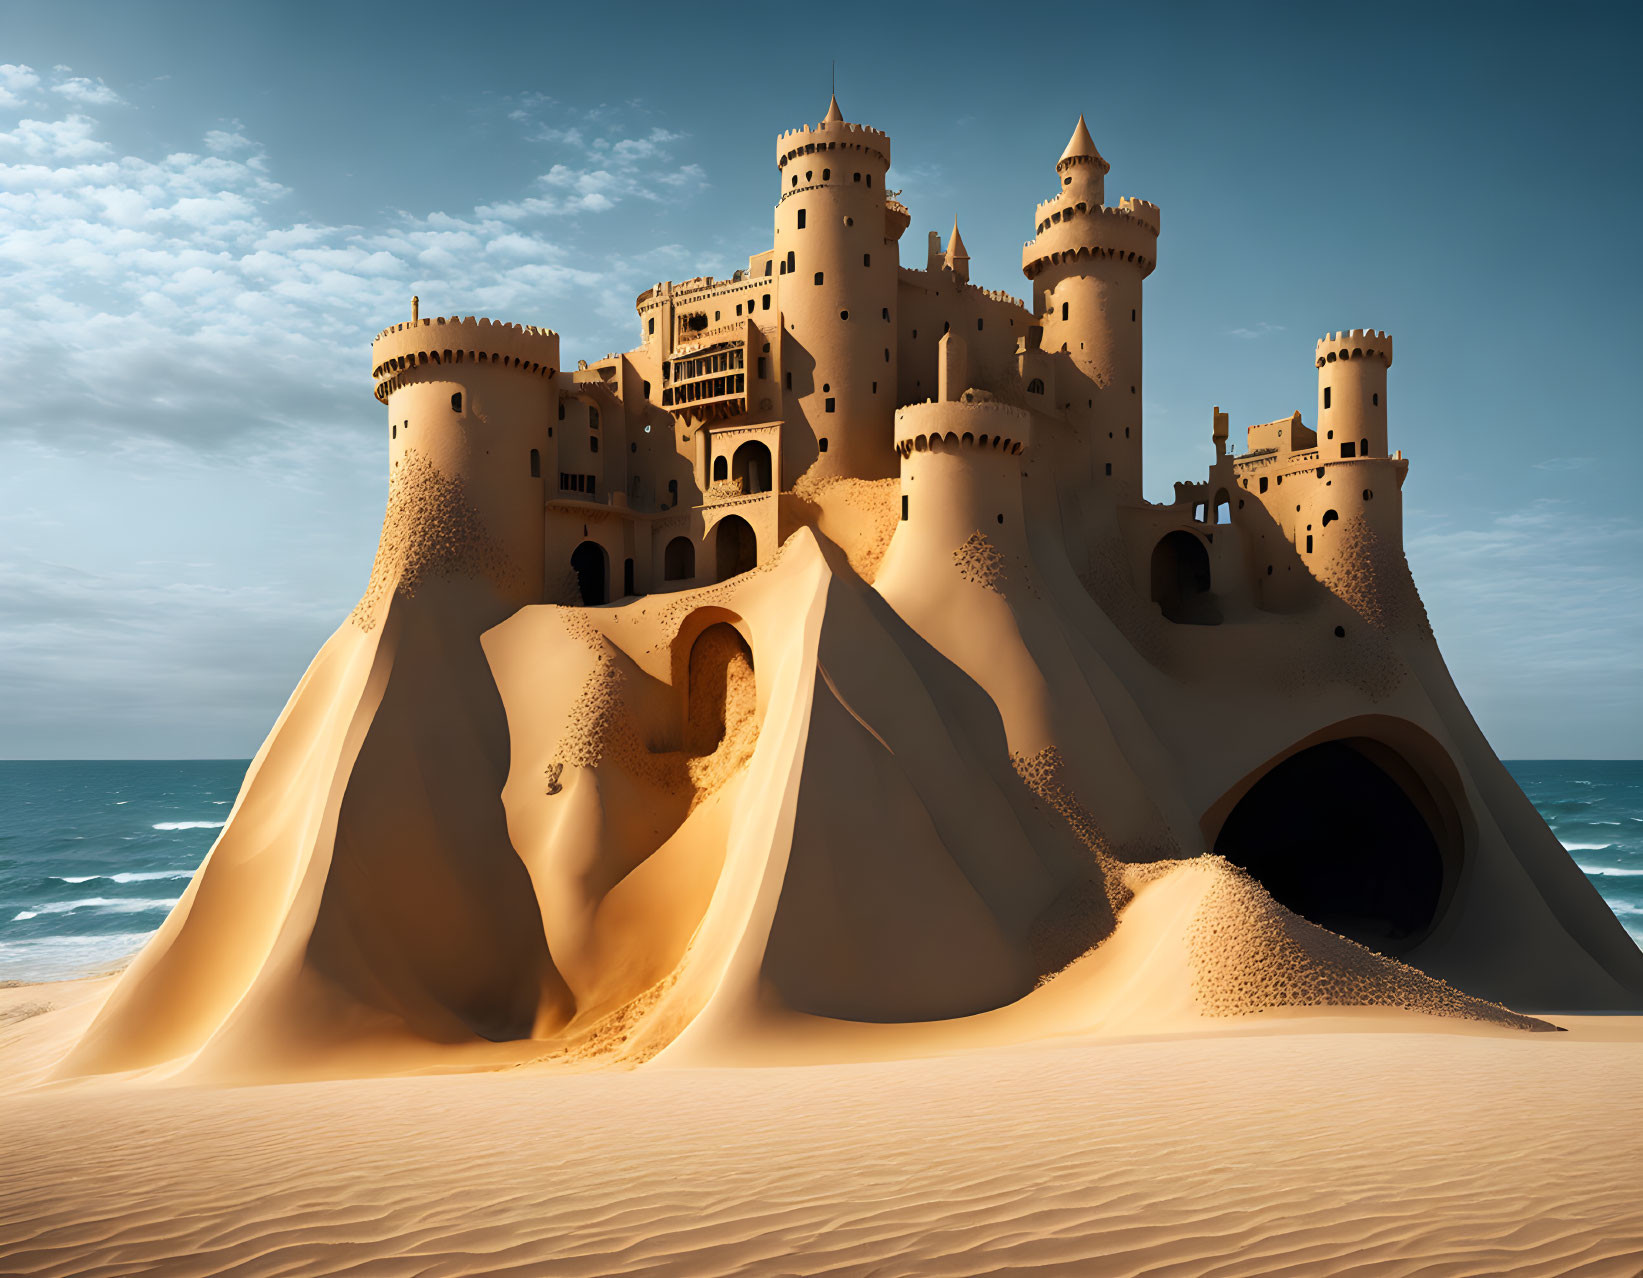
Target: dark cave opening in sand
[(1334, 837)]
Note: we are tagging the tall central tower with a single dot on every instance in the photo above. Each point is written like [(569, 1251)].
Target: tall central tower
[(1086, 261), (836, 255)]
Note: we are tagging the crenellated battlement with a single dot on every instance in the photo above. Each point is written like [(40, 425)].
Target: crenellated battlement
[(456, 340), (1129, 231), (1357, 343), (982, 425), (831, 136)]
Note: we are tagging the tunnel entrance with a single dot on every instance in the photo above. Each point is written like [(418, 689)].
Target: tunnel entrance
[(1335, 838)]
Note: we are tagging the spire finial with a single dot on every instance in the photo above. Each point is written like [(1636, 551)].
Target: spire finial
[(834, 115)]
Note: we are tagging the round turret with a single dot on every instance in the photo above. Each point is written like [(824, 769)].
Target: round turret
[(837, 262), (961, 463), (1087, 262), (470, 406), (1352, 367)]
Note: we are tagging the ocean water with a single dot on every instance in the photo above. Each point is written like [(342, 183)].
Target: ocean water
[(93, 855)]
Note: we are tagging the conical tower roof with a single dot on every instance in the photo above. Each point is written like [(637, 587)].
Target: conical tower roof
[(1081, 147), (834, 115), (955, 245)]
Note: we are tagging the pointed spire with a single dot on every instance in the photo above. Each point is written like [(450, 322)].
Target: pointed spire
[(955, 245), (1082, 146), (834, 115)]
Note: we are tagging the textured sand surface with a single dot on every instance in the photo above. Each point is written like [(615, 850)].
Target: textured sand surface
[(1427, 1153)]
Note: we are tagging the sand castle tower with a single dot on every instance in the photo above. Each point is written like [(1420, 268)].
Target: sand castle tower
[(961, 467), (1087, 262), (469, 407), (836, 254)]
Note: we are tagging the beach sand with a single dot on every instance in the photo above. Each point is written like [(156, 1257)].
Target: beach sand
[(1292, 1144)]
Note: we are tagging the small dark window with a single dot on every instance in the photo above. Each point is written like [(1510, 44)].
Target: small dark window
[(875, 388), (1036, 386), (593, 418), (1375, 399), (869, 179), (647, 390), (1320, 472), (808, 174), (1368, 494), (801, 219), (818, 277), (393, 430), (652, 328), (1340, 632), (844, 315), (826, 174), (1132, 316), (456, 402), (828, 405), (593, 443), (1309, 543), (766, 305), (1330, 517), (719, 468), (790, 261), (1349, 449), (886, 312), (1063, 310), (904, 506), (867, 259), (1326, 397), (857, 178), (822, 443), (1001, 519), (590, 486), (787, 380), (764, 368), (561, 410), (1109, 468), (1363, 448), (887, 353), (536, 464), (1263, 483)]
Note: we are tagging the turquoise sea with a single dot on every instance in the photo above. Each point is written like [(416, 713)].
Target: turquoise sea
[(92, 855)]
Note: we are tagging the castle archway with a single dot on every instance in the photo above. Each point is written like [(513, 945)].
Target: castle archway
[(736, 548), (1353, 834), (751, 465), (1181, 581), (592, 568), (679, 560)]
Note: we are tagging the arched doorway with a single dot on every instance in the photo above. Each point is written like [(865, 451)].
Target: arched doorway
[(679, 560), (736, 549), (1349, 835), (1180, 580), (592, 568), (751, 465)]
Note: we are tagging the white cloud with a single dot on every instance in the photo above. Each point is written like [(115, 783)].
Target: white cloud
[(223, 142), (69, 139), (1263, 329), (17, 84), (87, 92)]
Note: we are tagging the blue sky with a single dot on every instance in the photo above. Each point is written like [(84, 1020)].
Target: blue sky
[(207, 210)]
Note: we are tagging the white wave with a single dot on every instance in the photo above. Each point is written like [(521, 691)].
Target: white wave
[(1602, 823), (1606, 870), (219, 803), (1623, 907), (189, 825), (1586, 847), (129, 876), (120, 803), (101, 904), (59, 958)]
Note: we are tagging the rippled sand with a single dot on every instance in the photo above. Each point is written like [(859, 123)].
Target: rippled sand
[(1292, 1152)]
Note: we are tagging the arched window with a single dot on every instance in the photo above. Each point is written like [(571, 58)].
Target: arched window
[(818, 277), (790, 261), (1330, 517), (751, 465), (456, 402), (679, 560), (721, 468), (1036, 386)]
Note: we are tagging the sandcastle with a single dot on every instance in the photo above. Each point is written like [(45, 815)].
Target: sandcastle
[(818, 663)]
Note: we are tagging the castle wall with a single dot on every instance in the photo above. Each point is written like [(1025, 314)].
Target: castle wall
[(932, 303)]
